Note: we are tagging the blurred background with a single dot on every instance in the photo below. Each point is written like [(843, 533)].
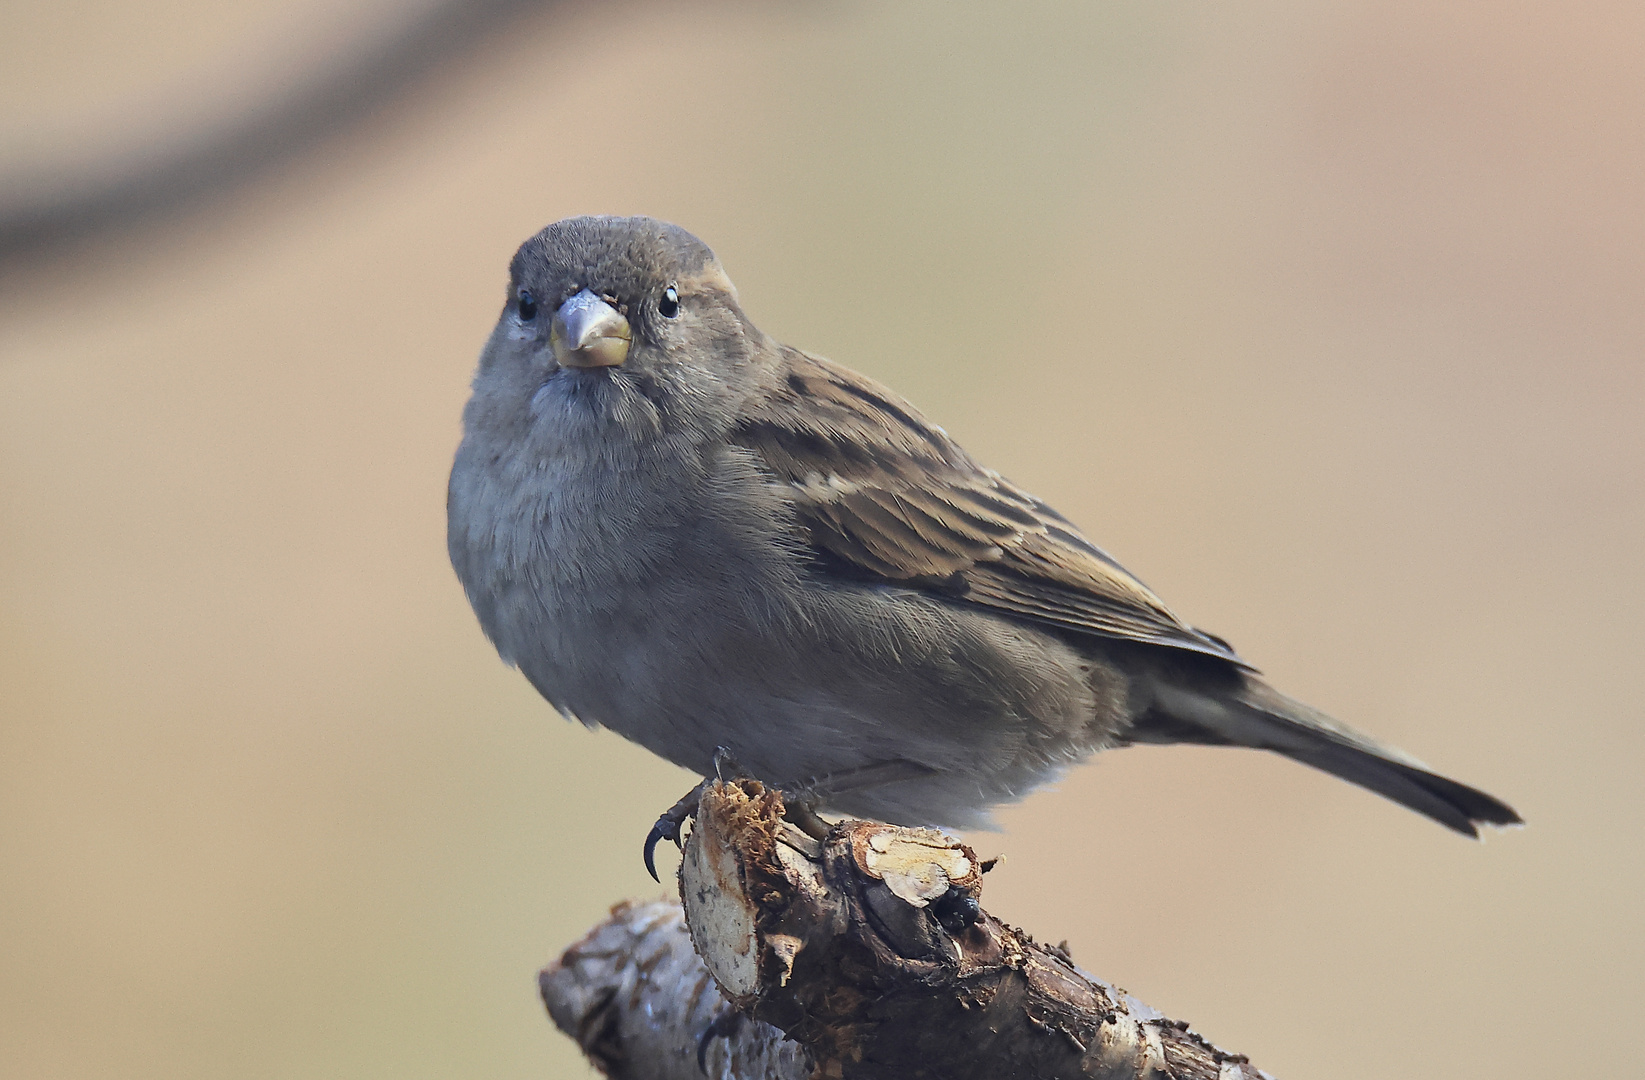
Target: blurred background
[(1325, 318)]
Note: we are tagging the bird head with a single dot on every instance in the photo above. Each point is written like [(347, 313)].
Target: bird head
[(620, 317)]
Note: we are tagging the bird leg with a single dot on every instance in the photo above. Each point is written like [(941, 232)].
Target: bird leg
[(668, 825), (801, 798)]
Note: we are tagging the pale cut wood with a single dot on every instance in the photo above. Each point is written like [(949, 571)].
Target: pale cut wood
[(867, 948)]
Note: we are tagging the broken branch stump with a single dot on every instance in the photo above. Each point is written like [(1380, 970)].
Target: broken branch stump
[(867, 948)]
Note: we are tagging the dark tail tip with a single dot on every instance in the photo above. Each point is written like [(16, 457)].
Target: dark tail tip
[(1476, 806), (1456, 806)]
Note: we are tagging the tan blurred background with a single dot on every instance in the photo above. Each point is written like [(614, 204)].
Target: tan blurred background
[(1326, 318)]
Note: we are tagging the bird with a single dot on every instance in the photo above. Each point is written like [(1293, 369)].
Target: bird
[(719, 546)]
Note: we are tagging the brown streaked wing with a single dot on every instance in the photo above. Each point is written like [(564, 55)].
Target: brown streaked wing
[(894, 498)]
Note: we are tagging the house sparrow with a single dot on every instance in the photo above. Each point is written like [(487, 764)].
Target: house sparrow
[(700, 538)]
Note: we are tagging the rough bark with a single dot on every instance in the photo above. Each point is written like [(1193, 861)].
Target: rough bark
[(641, 1005), (866, 947)]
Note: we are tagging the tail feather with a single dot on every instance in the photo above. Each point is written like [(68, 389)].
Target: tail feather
[(1257, 715)]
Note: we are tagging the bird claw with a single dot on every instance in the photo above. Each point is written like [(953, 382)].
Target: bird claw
[(800, 798), (724, 1026), (667, 828), (668, 825)]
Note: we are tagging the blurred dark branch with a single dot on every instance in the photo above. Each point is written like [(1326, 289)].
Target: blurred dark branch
[(128, 189), (867, 948)]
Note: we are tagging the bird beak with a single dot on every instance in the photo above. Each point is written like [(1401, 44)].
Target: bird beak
[(587, 332)]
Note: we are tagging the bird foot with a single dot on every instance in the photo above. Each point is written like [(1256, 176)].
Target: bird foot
[(724, 1026), (668, 825), (800, 810), (801, 798)]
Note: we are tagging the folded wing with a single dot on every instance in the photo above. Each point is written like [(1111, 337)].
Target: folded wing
[(887, 496)]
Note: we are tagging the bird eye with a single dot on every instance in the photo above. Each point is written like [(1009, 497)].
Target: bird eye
[(669, 305), (526, 305)]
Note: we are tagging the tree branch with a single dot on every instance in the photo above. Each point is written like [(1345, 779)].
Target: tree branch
[(868, 948), (642, 1007), (173, 171)]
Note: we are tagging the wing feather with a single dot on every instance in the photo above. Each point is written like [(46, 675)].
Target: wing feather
[(886, 495)]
